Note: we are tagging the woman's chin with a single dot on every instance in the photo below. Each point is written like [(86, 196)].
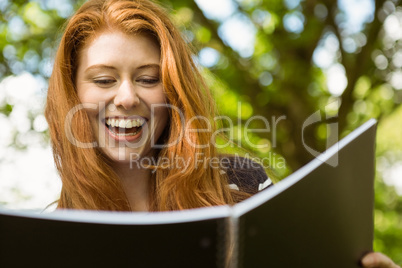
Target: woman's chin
[(124, 156)]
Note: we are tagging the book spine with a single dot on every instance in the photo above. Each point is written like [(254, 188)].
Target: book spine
[(232, 254)]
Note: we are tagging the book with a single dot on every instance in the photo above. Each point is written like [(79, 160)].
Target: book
[(319, 216)]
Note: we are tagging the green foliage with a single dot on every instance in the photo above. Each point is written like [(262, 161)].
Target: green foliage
[(6, 109), (388, 220)]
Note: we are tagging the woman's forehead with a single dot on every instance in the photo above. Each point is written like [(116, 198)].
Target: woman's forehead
[(116, 48)]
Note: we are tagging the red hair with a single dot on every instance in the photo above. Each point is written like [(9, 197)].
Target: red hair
[(88, 180)]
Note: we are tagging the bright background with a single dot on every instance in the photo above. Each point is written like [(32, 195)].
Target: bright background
[(276, 57)]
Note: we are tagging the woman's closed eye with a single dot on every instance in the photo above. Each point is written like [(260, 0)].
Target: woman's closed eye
[(104, 82), (148, 81)]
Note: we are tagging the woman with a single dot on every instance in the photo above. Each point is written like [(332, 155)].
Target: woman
[(119, 63), (124, 89)]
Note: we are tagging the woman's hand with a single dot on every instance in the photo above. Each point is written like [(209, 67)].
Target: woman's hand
[(378, 260)]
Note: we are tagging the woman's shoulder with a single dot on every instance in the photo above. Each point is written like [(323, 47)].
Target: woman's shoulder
[(245, 174)]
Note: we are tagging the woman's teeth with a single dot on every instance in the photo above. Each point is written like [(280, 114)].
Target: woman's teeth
[(125, 127), (124, 123), (126, 134)]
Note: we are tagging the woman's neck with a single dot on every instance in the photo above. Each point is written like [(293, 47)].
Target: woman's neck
[(136, 183)]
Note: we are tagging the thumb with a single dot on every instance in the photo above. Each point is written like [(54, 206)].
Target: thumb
[(378, 260)]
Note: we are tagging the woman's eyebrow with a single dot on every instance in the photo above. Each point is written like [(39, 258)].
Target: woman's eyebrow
[(148, 66), (100, 66), (104, 66)]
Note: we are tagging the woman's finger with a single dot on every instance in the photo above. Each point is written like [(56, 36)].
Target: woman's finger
[(378, 260)]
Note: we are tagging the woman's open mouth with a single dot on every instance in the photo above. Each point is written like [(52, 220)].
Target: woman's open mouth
[(125, 129)]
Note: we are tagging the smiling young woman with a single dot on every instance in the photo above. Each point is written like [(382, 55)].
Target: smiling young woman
[(121, 71), (124, 87), (127, 65)]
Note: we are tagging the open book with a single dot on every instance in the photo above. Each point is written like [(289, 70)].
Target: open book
[(320, 216)]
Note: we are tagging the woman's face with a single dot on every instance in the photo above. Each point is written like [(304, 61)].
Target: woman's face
[(119, 73)]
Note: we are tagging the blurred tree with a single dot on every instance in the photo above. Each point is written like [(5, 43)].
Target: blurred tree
[(284, 77), (303, 56)]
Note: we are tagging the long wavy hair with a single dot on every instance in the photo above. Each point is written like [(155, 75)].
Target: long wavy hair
[(88, 181)]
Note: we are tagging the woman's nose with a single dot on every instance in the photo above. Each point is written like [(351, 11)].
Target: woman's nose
[(126, 96)]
